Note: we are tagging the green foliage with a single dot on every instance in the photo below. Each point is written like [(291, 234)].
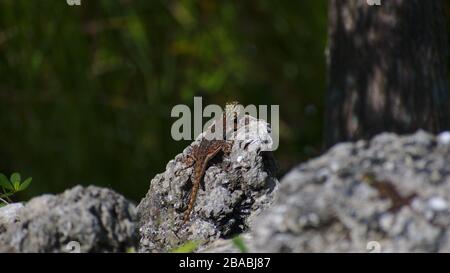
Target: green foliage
[(191, 246), (131, 250), (86, 92), (239, 243), (11, 186), (187, 247)]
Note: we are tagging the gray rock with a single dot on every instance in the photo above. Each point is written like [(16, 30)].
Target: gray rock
[(9, 215), (81, 219), (237, 187), (329, 205)]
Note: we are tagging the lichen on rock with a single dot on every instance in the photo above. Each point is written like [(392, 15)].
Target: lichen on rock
[(326, 204), (95, 219)]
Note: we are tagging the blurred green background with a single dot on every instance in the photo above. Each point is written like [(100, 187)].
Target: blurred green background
[(86, 91)]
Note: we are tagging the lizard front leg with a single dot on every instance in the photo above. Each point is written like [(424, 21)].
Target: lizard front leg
[(226, 147), (190, 158)]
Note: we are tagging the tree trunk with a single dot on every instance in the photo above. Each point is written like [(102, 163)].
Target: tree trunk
[(387, 69)]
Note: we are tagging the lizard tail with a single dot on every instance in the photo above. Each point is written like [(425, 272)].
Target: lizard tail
[(191, 202)]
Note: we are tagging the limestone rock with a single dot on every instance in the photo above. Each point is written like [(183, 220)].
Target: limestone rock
[(92, 218), (327, 204), (236, 188)]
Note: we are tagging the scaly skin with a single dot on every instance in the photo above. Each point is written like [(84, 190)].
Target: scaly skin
[(207, 150), (201, 155)]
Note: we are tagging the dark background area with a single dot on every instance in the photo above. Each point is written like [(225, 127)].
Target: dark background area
[(86, 91)]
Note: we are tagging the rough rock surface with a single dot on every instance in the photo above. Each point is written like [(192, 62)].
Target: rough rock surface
[(329, 205), (236, 188), (8, 215), (97, 219)]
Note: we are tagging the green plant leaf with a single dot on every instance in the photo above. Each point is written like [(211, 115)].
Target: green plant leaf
[(25, 184), (4, 182), (3, 195), (187, 247), (15, 180), (239, 243), (131, 250)]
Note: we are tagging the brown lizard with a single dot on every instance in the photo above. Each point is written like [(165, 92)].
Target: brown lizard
[(200, 157), (202, 154)]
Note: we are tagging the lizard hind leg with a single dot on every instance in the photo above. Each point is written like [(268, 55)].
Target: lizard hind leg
[(188, 161)]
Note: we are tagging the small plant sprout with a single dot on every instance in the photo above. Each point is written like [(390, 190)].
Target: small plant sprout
[(11, 186), (239, 243), (188, 247)]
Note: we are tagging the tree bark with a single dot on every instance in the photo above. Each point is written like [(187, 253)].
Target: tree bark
[(387, 69)]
